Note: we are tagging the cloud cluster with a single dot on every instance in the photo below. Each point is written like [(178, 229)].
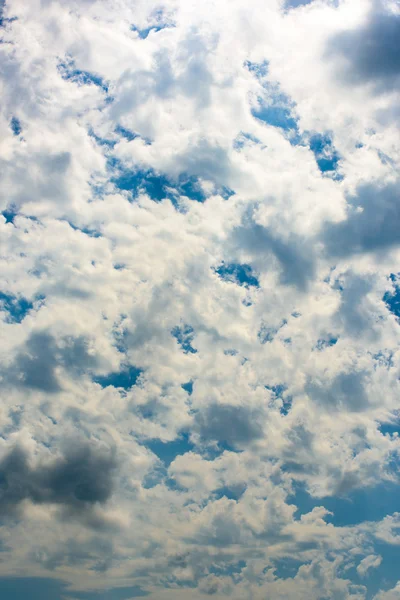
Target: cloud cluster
[(199, 293), (79, 479)]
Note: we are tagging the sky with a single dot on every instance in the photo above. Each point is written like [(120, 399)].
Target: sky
[(199, 299)]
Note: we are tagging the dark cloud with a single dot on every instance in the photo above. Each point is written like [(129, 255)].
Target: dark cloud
[(35, 365), (371, 224), (372, 51), (232, 425), (345, 392), (294, 255), (76, 481)]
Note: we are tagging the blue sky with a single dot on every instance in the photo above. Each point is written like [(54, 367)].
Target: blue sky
[(199, 300)]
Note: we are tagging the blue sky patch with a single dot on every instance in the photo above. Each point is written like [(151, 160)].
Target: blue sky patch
[(184, 336), (9, 214), (245, 139), (143, 181), (129, 135), (275, 115), (188, 387), (68, 72), (277, 109), (328, 342), (126, 133), (34, 588), (124, 593), (159, 22), (220, 568), (126, 378), (324, 151), (38, 588), (108, 143), (279, 391), (296, 3), (17, 308), (168, 451), (259, 70), (392, 300), (232, 492), (242, 274), (377, 579), (226, 192), (386, 575), (191, 188), (86, 230), (390, 427), (267, 334), (15, 125), (145, 31), (287, 567), (156, 185), (366, 504)]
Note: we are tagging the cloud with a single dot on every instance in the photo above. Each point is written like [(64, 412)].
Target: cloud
[(232, 425), (76, 481), (369, 562), (294, 257), (392, 594), (36, 366), (370, 51), (370, 223), (199, 255)]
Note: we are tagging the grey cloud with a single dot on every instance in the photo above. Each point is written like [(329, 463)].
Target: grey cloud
[(50, 182), (345, 392), (35, 365), (194, 80), (76, 481), (74, 553), (373, 228), (372, 51), (347, 483), (206, 161), (299, 456), (294, 255), (301, 438), (222, 531), (234, 425), (353, 314)]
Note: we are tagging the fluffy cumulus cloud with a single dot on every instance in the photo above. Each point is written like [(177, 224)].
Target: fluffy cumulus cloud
[(199, 299)]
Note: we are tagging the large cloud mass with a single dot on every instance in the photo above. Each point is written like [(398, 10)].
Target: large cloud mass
[(199, 299)]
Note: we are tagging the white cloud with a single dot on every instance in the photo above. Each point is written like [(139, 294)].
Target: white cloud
[(198, 296)]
